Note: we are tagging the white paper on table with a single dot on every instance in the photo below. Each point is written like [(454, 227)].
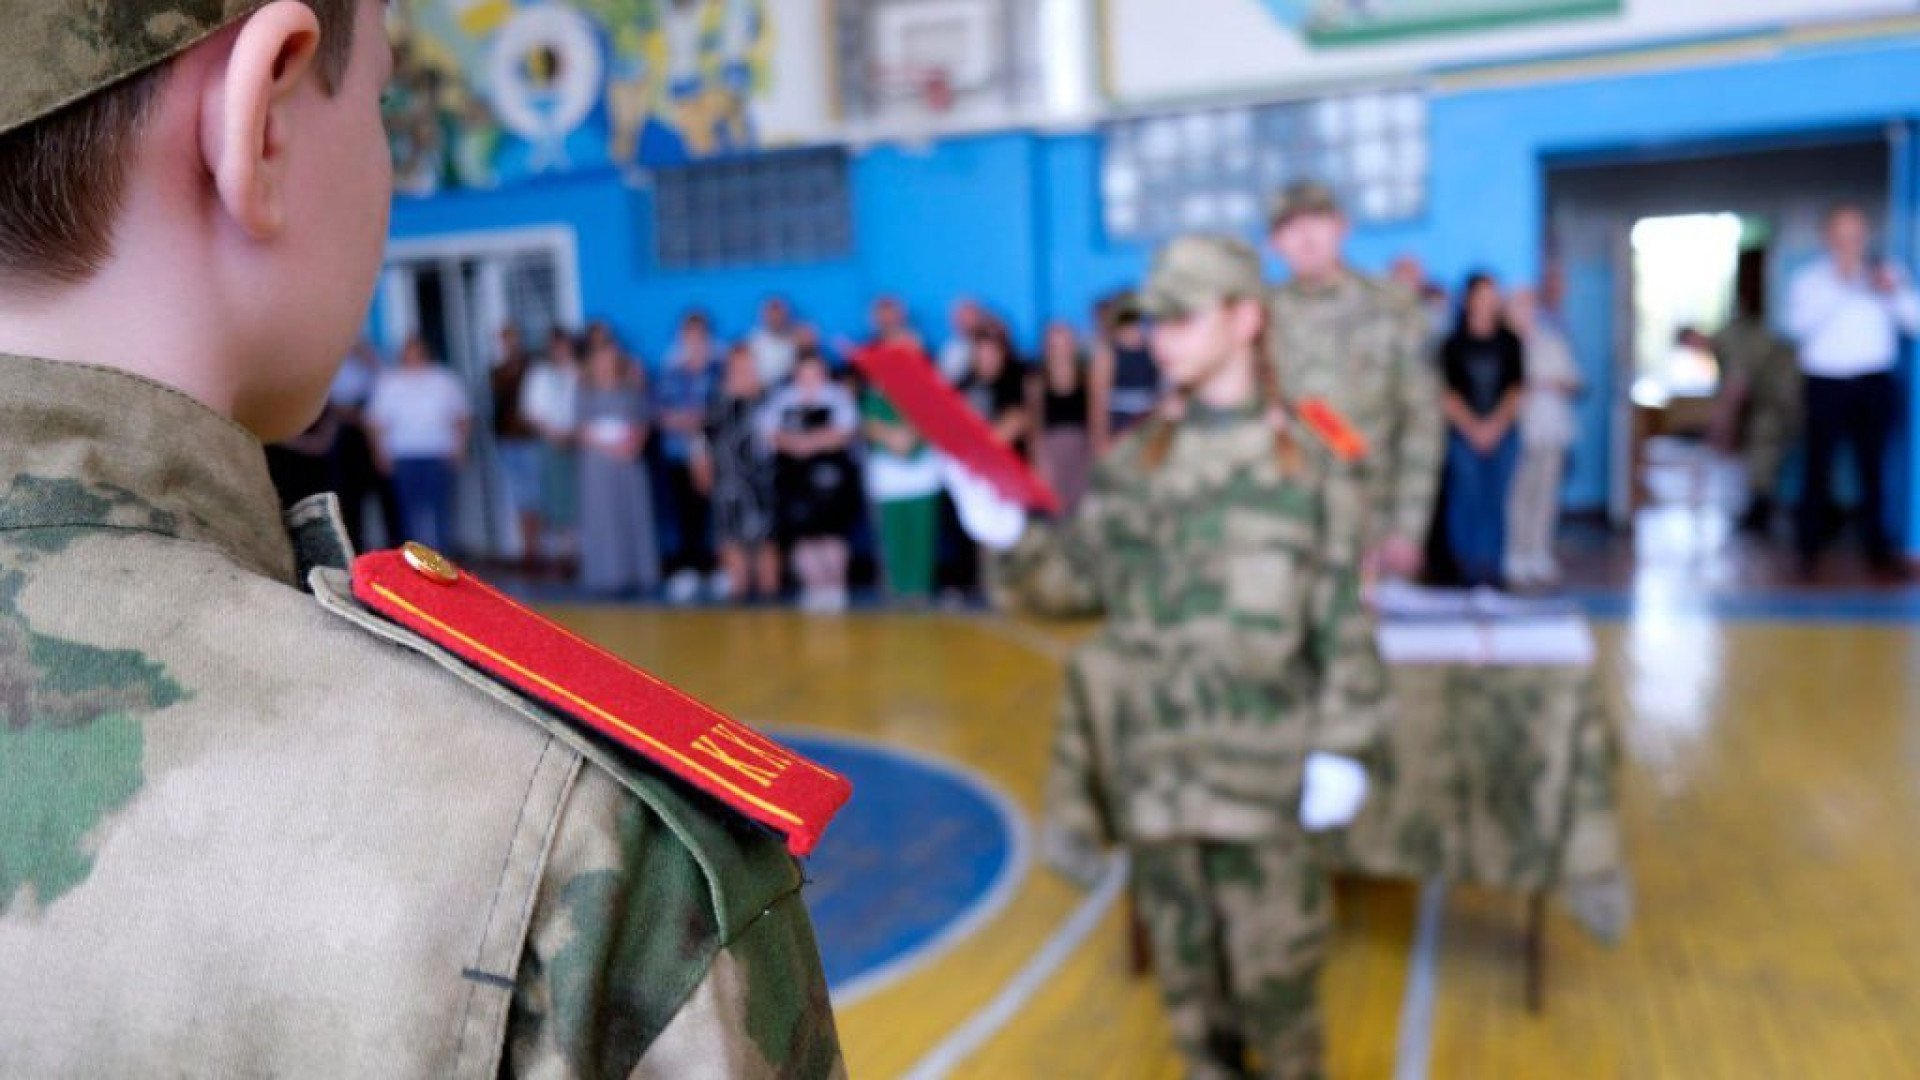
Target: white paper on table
[(1563, 641), (1432, 641)]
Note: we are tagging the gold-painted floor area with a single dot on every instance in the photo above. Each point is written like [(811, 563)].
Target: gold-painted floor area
[(1772, 807)]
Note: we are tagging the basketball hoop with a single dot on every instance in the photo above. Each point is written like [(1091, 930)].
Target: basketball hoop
[(925, 89), (936, 91), (910, 103)]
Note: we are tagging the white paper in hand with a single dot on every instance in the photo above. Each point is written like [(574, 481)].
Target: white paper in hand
[(1335, 787), (994, 522)]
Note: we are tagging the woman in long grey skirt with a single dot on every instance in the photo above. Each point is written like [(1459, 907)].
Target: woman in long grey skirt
[(619, 550)]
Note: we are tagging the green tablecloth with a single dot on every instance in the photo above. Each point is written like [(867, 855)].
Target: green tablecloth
[(1499, 776)]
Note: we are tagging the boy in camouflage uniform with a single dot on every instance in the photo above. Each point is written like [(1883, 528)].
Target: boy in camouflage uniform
[(1364, 346), (1236, 669), (247, 827)]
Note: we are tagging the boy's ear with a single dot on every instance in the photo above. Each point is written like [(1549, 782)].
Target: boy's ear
[(246, 125)]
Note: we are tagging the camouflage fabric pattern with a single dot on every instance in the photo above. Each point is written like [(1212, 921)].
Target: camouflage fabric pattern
[(1198, 270), (221, 857), (1768, 366), (1362, 345), (1301, 198), (607, 988), (1234, 642), (59, 51), (1498, 776), (1239, 933)]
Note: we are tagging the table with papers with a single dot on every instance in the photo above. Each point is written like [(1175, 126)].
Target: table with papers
[(1500, 765)]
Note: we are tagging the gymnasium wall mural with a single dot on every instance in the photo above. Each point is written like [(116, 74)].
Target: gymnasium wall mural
[(491, 92)]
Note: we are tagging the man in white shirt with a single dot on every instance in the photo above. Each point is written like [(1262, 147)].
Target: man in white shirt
[(419, 419), (1848, 312)]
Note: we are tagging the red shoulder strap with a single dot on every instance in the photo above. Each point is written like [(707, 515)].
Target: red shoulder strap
[(593, 689)]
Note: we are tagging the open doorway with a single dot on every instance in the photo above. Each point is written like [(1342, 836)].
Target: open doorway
[(457, 293), (1683, 278), (1650, 242)]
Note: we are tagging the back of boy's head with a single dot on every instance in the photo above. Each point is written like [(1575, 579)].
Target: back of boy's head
[(80, 76)]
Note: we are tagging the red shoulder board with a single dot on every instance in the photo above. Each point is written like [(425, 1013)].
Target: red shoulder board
[(1334, 429), (591, 687)]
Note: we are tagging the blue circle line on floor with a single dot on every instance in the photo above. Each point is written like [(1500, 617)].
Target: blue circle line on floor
[(925, 854)]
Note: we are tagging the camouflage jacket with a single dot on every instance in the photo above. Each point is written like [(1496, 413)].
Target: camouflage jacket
[(1235, 638), (1750, 352), (250, 831), (1363, 346)]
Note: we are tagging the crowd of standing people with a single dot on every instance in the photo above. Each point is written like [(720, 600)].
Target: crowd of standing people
[(744, 471), (733, 471)]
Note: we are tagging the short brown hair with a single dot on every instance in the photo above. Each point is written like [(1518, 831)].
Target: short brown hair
[(63, 178)]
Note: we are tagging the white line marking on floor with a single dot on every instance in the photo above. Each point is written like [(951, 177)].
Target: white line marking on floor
[(1414, 1051), (985, 1024)]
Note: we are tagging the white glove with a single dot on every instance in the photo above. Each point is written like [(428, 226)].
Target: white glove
[(1334, 788), (994, 523)]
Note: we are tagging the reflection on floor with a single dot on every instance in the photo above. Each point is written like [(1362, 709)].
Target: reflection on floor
[(1685, 557)]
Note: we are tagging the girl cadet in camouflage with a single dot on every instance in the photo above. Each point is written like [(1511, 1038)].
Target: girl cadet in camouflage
[(247, 829), (1236, 668)]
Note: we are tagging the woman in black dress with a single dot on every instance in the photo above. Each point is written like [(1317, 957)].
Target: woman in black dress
[(740, 465), (811, 424), (1057, 404), (1485, 379)]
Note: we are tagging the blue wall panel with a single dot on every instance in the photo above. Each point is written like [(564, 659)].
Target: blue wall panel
[(1015, 218)]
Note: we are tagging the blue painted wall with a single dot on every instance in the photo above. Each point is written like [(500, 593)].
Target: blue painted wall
[(1014, 218)]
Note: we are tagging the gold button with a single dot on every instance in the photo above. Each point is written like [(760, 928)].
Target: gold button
[(430, 564)]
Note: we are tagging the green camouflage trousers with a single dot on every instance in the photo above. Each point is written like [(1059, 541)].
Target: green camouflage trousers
[(1771, 432), (1239, 932)]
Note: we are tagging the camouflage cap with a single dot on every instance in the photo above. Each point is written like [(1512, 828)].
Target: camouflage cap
[(1300, 198), (56, 52), (1196, 270)]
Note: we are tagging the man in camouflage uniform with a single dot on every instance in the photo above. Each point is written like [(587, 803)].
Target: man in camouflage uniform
[(247, 827), (1236, 670), (1362, 345), (1761, 393)]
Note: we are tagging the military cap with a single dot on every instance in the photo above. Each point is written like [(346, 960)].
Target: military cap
[(1197, 270), (57, 52), (1300, 198)]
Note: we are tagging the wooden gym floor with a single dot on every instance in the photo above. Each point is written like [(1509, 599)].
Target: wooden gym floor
[(1772, 809)]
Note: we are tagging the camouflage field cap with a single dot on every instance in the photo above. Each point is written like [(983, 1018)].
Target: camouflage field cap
[(1301, 198), (1198, 270), (56, 52)]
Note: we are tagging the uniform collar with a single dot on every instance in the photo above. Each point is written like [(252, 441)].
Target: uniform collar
[(91, 447)]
